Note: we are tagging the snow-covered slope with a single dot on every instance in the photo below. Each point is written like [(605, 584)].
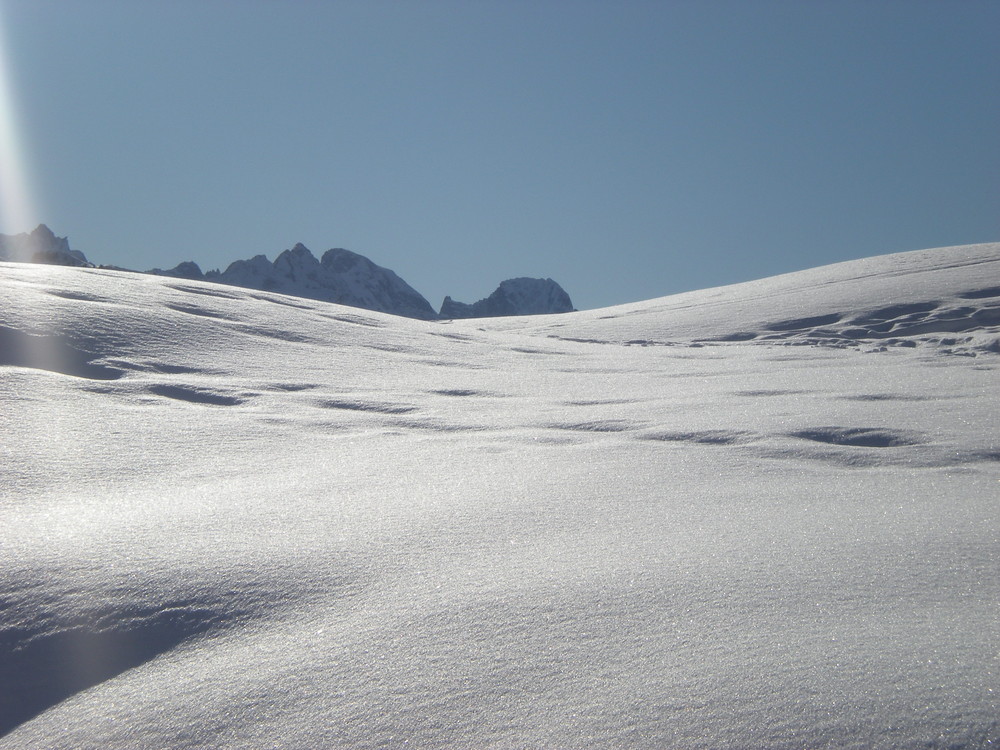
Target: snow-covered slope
[(521, 296), (231, 518), (947, 298)]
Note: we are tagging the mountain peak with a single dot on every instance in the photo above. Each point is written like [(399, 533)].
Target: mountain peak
[(40, 246), (339, 260), (301, 250), (342, 277), (186, 270), (520, 296)]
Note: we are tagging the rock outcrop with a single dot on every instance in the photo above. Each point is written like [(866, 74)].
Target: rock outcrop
[(521, 296), (339, 276), (40, 246)]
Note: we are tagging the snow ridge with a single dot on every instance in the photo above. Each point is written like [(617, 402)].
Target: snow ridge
[(944, 299)]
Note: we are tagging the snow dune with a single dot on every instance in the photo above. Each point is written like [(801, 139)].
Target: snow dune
[(764, 515), (946, 297)]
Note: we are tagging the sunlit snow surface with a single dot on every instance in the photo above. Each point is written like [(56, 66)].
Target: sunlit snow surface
[(763, 516)]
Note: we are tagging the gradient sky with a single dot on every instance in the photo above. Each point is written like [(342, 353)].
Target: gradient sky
[(626, 149)]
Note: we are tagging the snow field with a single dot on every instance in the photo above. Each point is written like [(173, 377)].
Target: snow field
[(235, 519)]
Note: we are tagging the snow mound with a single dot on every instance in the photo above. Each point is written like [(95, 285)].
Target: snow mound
[(945, 298)]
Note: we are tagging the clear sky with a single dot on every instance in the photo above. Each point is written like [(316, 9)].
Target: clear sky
[(627, 149)]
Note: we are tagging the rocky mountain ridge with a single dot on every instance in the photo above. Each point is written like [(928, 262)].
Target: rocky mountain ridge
[(40, 246), (338, 276)]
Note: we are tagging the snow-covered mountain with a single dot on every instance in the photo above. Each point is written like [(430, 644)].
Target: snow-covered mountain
[(348, 278), (40, 246), (340, 276), (762, 515), (185, 270), (520, 296)]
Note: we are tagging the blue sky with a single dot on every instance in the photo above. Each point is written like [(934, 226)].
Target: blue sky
[(627, 149)]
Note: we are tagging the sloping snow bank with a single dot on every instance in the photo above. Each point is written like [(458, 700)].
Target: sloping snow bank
[(235, 519), (945, 298)]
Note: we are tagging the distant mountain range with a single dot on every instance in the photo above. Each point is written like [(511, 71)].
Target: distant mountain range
[(41, 246), (339, 276)]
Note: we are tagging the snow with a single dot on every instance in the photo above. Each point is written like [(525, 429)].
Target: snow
[(762, 515)]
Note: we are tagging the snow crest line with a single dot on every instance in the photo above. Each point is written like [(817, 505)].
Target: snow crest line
[(42, 670)]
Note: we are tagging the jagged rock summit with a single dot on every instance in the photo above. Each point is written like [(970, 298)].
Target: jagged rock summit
[(339, 276), (186, 270), (40, 246), (522, 296), (348, 278)]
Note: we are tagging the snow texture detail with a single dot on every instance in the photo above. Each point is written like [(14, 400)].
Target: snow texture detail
[(236, 519)]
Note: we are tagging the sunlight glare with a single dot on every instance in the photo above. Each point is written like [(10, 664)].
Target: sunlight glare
[(17, 209), (18, 213)]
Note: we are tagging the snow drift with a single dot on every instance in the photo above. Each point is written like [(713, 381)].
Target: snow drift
[(762, 515)]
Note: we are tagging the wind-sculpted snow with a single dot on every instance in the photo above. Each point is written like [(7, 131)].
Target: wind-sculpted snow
[(41, 669), (48, 352), (945, 299), (232, 519)]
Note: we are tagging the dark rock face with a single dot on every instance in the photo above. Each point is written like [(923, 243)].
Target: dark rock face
[(40, 246), (186, 270), (522, 296), (341, 276)]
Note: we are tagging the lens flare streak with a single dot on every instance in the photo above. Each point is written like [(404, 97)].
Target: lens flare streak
[(17, 209)]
